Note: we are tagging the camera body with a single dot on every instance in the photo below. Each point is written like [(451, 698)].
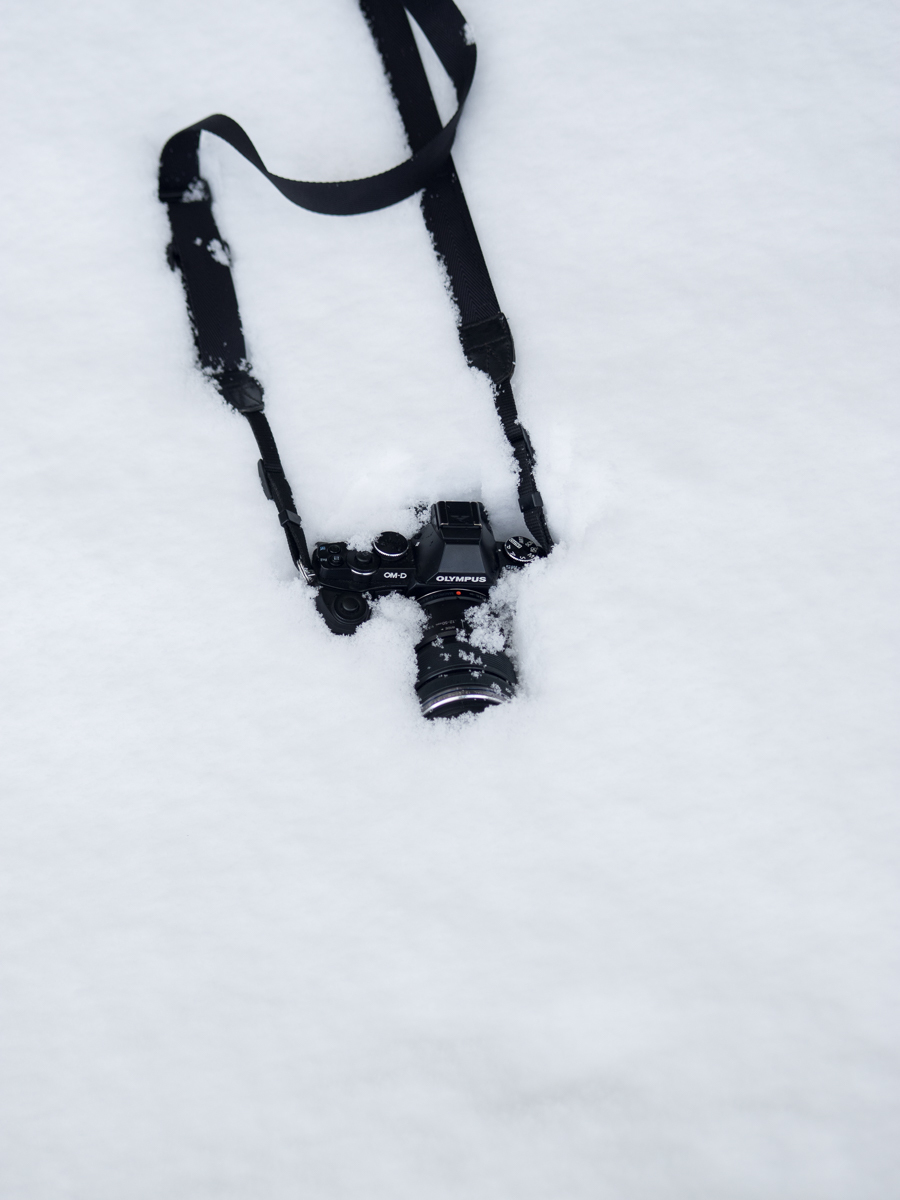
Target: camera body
[(449, 566)]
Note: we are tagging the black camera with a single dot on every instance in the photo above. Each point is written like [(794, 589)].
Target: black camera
[(449, 567)]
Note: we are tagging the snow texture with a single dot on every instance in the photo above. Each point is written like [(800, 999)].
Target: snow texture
[(265, 932)]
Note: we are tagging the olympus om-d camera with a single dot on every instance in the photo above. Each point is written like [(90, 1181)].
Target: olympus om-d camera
[(449, 566)]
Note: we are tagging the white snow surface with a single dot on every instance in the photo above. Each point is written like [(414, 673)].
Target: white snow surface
[(266, 932)]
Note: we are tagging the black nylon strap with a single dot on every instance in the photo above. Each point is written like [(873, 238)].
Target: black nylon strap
[(198, 250), (484, 330), (276, 487), (445, 27)]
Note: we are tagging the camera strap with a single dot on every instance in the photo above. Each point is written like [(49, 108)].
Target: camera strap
[(199, 252)]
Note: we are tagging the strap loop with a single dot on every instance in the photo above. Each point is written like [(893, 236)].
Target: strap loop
[(445, 27), (521, 443)]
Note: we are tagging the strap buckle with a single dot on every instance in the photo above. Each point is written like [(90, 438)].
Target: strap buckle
[(531, 501), (276, 488), (242, 392), (519, 440), (264, 480)]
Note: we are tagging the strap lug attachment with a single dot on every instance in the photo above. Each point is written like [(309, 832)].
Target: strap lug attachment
[(293, 527)]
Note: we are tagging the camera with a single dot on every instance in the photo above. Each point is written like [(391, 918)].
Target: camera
[(449, 567)]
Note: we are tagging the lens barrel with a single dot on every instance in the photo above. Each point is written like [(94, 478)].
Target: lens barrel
[(454, 676)]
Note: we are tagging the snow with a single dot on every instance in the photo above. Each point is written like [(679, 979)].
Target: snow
[(266, 932)]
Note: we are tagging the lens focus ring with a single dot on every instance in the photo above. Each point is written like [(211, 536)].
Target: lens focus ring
[(455, 677)]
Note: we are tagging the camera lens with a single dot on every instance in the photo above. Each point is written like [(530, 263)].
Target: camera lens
[(456, 677)]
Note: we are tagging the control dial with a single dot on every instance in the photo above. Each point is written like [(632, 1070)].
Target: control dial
[(362, 562), (391, 546), (350, 606)]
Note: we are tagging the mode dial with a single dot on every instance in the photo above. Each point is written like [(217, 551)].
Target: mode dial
[(521, 550)]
